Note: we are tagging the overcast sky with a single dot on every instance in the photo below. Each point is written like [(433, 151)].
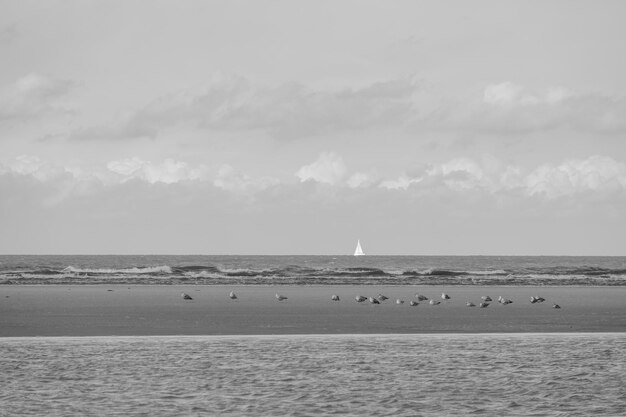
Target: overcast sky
[(293, 127)]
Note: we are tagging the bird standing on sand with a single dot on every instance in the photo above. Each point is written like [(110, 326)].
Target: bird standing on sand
[(534, 300), (186, 296), (399, 301), (470, 304), (486, 298), (413, 303), (483, 305), (360, 298), (334, 297), (232, 295), (434, 303), (374, 300), (382, 297), (280, 297), (445, 296), (556, 306), (421, 297), (504, 301)]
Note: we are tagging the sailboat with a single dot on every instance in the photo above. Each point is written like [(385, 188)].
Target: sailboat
[(358, 251)]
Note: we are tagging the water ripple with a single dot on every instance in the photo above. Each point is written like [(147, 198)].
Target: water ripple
[(399, 375)]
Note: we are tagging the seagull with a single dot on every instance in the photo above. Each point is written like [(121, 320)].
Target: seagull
[(186, 296), (504, 301), (483, 305), (232, 295), (360, 298), (445, 296), (413, 303), (280, 297), (556, 306), (334, 297), (382, 297), (534, 300), (421, 297), (374, 300), (486, 298), (470, 304), (399, 301), (434, 303)]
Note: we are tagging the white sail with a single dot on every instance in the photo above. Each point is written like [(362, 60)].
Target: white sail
[(358, 251)]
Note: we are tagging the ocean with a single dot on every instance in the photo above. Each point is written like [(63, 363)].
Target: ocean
[(311, 270), (513, 374), (383, 375)]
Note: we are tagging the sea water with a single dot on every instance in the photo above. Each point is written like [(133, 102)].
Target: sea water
[(387, 375), (306, 270), (412, 375)]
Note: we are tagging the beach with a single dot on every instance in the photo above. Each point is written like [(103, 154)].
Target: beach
[(143, 310)]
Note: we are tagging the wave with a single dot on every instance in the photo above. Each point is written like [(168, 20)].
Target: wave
[(451, 273), (306, 275), (164, 269)]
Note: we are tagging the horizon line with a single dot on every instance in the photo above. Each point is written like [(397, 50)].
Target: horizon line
[(321, 255)]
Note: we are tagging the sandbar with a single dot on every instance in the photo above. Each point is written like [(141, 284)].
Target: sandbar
[(144, 310)]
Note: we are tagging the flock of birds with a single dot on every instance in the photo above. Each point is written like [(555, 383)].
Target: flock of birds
[(486, 300)]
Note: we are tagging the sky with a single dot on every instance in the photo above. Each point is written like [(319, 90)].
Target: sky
[(298, 127)]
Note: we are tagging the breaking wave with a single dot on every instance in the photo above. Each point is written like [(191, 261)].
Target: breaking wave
[(112, 271), (306, 271)]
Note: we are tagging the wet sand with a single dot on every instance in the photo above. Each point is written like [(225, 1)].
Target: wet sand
[(102, 310)]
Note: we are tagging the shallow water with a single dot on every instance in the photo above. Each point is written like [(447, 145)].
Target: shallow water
[(501, 374)]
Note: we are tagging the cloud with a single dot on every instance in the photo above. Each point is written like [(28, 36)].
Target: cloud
[(596, 173), (509, 108), (34, 95), (168, 172), (230, 179), (502, 94), (283, 111), (460, 205), (362, 179), (597, 176), (121, 131), (30, 165), (139, 216), (294, 111), (329, 168)]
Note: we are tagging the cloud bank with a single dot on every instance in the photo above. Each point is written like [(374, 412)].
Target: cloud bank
[(284, 111), (134, 206), (294, 111), (596, 174)]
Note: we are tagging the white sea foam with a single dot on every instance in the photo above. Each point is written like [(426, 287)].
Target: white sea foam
[(164, 269), (495, 272), (203, 274)]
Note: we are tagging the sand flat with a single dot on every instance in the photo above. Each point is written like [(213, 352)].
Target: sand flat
[(100, 310)]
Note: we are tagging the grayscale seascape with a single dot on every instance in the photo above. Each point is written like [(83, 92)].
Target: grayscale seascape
[(314, 207)]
